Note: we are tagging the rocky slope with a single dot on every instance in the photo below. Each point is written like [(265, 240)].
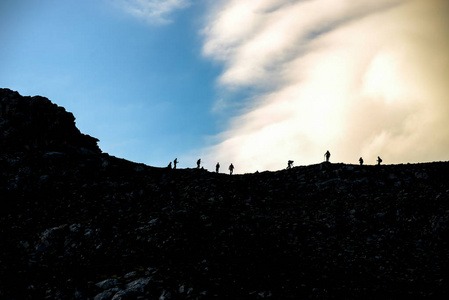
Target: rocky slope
[(80, 224)]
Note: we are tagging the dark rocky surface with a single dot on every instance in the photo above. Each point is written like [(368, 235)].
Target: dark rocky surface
[(77, 223)]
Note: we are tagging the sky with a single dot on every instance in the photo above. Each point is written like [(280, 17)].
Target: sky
[(254, 83)]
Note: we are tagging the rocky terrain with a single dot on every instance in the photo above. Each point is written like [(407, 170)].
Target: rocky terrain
[(77, 223)]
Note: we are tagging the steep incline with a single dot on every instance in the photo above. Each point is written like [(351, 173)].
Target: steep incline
[(77, 223)]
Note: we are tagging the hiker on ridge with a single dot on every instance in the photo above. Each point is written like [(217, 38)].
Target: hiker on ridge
[(361, 161), (327, 155), (198, 163), (231, 169), (175, 162), (217, 166), (379, 160), (289, 164)]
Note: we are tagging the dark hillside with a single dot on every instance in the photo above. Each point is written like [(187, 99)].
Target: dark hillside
[(77, 223)]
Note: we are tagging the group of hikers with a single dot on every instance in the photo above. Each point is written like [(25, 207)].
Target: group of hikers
[(327, 156), (198, 166), (217, 166)]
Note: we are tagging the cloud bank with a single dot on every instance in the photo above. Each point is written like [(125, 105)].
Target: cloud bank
[(155, 12), (363, 78)]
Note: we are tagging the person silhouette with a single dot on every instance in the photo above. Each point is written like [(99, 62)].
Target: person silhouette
[(198, 163), (379, 160), (217, 166), (327, 155), (231, 169), (361, 161), (289, 164), (175, 162)]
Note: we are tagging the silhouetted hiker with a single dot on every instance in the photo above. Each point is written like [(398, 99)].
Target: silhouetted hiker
[(231, 169), (175, 162), (217, 166), (379, 160), (361, 161), (169, 166), (198, 163), (327, 155), (289, 164)]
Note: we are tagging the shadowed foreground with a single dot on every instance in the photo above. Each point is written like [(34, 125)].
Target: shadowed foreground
[(77, 223)]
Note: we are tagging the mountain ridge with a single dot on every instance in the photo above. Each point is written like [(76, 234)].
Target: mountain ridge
[(77, 223)]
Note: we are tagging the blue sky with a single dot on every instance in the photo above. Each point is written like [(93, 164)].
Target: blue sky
[(143, 89), (254, 82)]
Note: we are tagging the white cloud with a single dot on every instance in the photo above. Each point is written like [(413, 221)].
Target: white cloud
[(360, 78), (152, 11)]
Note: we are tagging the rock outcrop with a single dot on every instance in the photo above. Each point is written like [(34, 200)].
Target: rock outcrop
[(80, 224), (34, 123)]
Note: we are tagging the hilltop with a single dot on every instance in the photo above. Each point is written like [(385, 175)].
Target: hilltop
[(77, 223)]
